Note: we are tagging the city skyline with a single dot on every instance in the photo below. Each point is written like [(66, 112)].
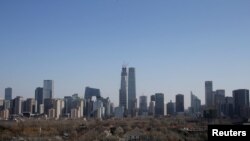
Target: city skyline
[(175, 47)]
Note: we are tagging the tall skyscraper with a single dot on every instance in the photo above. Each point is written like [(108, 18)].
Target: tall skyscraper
[(8, 93), (179, 100), (123, 90), (170, 108), (48, 89), (219, 101), (241, 102), (159, 104), (209, 94), (143, 105), (38, 98), (195, 104), (131, 91)]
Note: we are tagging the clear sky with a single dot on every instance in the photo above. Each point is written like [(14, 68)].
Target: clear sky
[(175, 45)]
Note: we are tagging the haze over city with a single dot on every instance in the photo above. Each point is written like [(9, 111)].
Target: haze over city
[(174, 46)]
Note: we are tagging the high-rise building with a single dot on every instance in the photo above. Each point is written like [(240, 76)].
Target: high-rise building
[(195, 104), (132, 105), (17, 105), (170, 108), (38, 98), (30, 105), (179, 100), (48, 104), (143, 106), (209, 94), (58, 106), (48, 89), (159, 104), (123, 90), (241, 102), (68, 104), (8, 93), (90, 92), (151, 108), (219, 101), (228, 107)]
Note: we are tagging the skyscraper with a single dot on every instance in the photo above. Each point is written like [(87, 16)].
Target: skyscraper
[(38, 98), (195, 104), (219, 100), (90, 92), (123, 90), (179, 100), (18, 103), (228, 107), (241, 102), (159, 104), (131, 91), (143, 105), (170, 108), (209, 94), (8, 93), (48, 89)]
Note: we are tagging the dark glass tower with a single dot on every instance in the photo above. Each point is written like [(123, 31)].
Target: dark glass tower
[(159, 104), (8, 93), (179, 101), (123, 89), (241, 102), (209, 94), (131, 92)]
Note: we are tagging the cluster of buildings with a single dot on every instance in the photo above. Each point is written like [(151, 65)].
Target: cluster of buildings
[(93, 105)]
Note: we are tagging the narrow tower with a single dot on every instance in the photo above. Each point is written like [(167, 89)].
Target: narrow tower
[(123, 90), (132, 104)]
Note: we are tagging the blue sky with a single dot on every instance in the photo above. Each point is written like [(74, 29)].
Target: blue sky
[(174, 45)]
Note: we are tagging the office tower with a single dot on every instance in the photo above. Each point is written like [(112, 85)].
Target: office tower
[(228, 107), (241, 102), (8, 93), (39, 98), (48, 89), (179, 100), (143, 106), (159, 104), (90, 92), (209, 94), (170, 108), (123, 90), (30, 105), (195, 104), (98, 109), (48, 104), (131, 91), (68, 105), (219, 100), (17, 105), (151, 108), (58, 108)]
